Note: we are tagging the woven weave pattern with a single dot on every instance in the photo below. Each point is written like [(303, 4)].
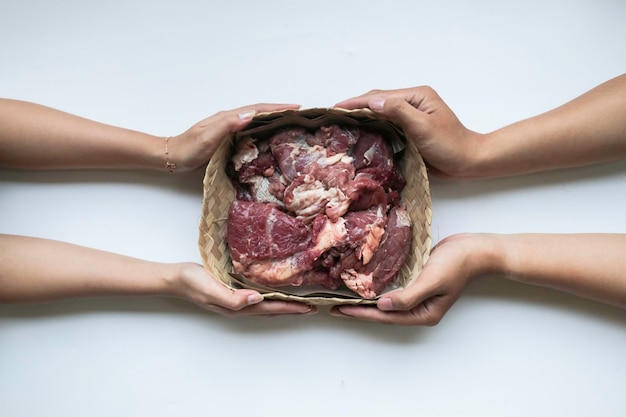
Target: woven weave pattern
[(219, 194)]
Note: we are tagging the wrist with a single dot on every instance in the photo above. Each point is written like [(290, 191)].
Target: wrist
[(502, 252), (483, 157), (149, 152), (486, 254), (187, 280), (469, 255), (169, 165), (171, 278)]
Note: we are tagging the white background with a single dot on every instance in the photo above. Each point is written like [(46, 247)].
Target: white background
[(158, 66)]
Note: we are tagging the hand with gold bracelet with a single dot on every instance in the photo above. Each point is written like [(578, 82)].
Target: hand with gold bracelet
[(38, 137)]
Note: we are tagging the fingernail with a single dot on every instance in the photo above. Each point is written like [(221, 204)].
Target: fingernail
[(336, 313), (376, 103), (254, 299), (310, 311), (385, 304), (247, 115)]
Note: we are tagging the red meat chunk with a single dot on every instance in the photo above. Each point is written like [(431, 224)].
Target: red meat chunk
[(318, 208), (369, 280), (259, 231)]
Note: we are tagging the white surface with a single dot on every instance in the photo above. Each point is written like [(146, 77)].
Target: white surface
[(503, 350)]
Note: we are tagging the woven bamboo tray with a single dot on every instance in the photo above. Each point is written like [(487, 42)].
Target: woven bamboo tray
[(219, 193)]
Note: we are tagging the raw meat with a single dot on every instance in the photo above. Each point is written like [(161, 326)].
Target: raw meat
[(261, 231), (277, 271), (318, 208), (369, 280), (365, 229)]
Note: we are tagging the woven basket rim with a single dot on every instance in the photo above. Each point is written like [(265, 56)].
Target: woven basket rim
[(221, 268)]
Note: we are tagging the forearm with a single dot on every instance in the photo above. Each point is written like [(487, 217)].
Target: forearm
[(34, 269), (38, 137), (588, 265), (589, 129)]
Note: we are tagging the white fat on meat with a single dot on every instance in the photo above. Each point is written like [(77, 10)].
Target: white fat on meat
[(331, 235), (276, 272), (260, 189), (326, 161), (246, 152), (372, 240), (337, 203), (361, 284), (307, 198), (403, 219)]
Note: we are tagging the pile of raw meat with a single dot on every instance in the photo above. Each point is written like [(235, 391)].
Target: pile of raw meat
[(318, 208)]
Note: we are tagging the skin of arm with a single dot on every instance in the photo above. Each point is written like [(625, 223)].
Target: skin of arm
[(587, 130), (587, 265), (33, 136), (36, 270), (31, 270)]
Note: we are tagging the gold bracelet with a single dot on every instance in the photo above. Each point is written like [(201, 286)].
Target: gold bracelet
[(168, 165)]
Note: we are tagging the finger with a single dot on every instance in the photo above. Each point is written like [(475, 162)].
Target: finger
[(354, 103), (432, 310), (428, 313), (410, 297), (394, 107), (236, 119), (268, 107), (424, 303), (251, 301), (397, 109), (266, 308), (275, 307), (360, 102), (403, 318), (423, 98)]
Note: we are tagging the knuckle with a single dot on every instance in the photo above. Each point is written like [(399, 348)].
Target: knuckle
[(237, 305), (227, 303), (446, 240), (432, 320), (229, 312), (426, 89), (222, 113)]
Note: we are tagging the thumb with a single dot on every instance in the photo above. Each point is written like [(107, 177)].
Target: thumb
[(408, 298), (239, 299), (399, 300)]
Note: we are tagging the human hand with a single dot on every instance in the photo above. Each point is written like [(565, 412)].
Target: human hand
[(447, 146), (193, 283), (453, 264), (196, 146)]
